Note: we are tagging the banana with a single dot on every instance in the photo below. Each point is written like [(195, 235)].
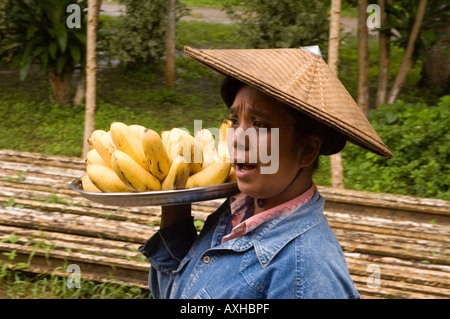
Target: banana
[(204, 136), (132, 174), (128, 142), (87, 185), (164, 136), (178, 174), (101, 141), (196, 156), (105, 179), (138, 130), (222, 148), (215, 173), (179, 143), (93, 157), (209, 155), (158, 159)]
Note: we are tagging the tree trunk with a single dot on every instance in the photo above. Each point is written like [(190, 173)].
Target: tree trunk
[(383, 60), (406, 64), (170, 44), (363, 58), (337, 174), (91, 72), (60, 84)]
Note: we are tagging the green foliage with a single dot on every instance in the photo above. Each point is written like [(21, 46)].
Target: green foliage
[(418, 136), (401, 16), (141, 34), (35, 31), (17, 284), (277, 24)]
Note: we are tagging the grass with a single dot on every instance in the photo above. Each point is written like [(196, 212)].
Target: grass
[(21, 285)]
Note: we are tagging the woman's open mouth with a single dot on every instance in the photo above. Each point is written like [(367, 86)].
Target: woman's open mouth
[(244, 170)]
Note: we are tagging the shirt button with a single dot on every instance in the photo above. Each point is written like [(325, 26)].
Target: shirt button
[(206, 259)]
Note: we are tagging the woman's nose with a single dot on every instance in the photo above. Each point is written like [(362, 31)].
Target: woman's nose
[(241, 140)]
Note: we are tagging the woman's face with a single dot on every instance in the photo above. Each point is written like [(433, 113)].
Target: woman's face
[(254, 111)]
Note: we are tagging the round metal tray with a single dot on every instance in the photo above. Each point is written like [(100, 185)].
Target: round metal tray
[(159, 198)]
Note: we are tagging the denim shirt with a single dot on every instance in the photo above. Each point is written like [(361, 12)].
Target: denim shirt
[(294, 256)]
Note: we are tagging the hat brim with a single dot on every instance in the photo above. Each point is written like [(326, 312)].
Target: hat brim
[(300, 79)]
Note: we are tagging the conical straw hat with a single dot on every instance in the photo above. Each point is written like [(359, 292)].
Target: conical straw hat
[(301, 79)]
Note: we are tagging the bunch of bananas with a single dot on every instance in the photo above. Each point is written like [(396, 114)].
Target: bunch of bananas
[(133, 158)]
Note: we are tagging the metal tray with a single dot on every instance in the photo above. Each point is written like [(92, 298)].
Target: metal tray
[(159, 198)]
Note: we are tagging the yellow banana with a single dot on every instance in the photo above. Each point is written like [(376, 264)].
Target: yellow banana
[(101, 141), (128, 142), (179, 143), (204, 136), (138, 130), (215, 173), (87, 185), (105, 179), (93, 157), (209, 152), (196, 156), (164, 136), (178, 174), (222, 148), (209, 155), (158, 159), (132, 174)]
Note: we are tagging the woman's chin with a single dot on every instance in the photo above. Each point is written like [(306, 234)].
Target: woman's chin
[(249, 189)]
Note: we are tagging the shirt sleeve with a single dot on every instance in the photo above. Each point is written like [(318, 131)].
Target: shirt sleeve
[(165, 249)]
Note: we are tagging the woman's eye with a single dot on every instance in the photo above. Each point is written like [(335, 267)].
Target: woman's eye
[(234, 121), (258, 124)]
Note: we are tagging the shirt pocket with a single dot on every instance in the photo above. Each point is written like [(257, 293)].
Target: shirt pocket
[(253, 273)]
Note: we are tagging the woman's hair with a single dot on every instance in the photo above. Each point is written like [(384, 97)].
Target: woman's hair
[(332, 141)]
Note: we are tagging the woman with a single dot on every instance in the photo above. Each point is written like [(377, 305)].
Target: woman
[(272, 239)]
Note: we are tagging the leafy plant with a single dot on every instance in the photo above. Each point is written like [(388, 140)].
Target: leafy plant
[(35, 31), (141, 34), (418, 136), (288, 23), (401, 15)]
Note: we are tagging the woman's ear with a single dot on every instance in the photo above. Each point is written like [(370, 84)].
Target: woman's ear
[(310, 151)]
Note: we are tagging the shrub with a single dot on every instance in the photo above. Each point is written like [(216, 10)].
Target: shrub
[(418, 136), (276, 24), (35, 32), (141, 34)]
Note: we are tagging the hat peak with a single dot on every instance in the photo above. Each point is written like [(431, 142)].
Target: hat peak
[(314, 49)]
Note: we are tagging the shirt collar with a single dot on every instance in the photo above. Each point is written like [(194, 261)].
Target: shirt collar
[(242, 207), (269, 238)]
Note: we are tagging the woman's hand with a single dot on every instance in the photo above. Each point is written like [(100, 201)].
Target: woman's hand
[(172, 214)]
